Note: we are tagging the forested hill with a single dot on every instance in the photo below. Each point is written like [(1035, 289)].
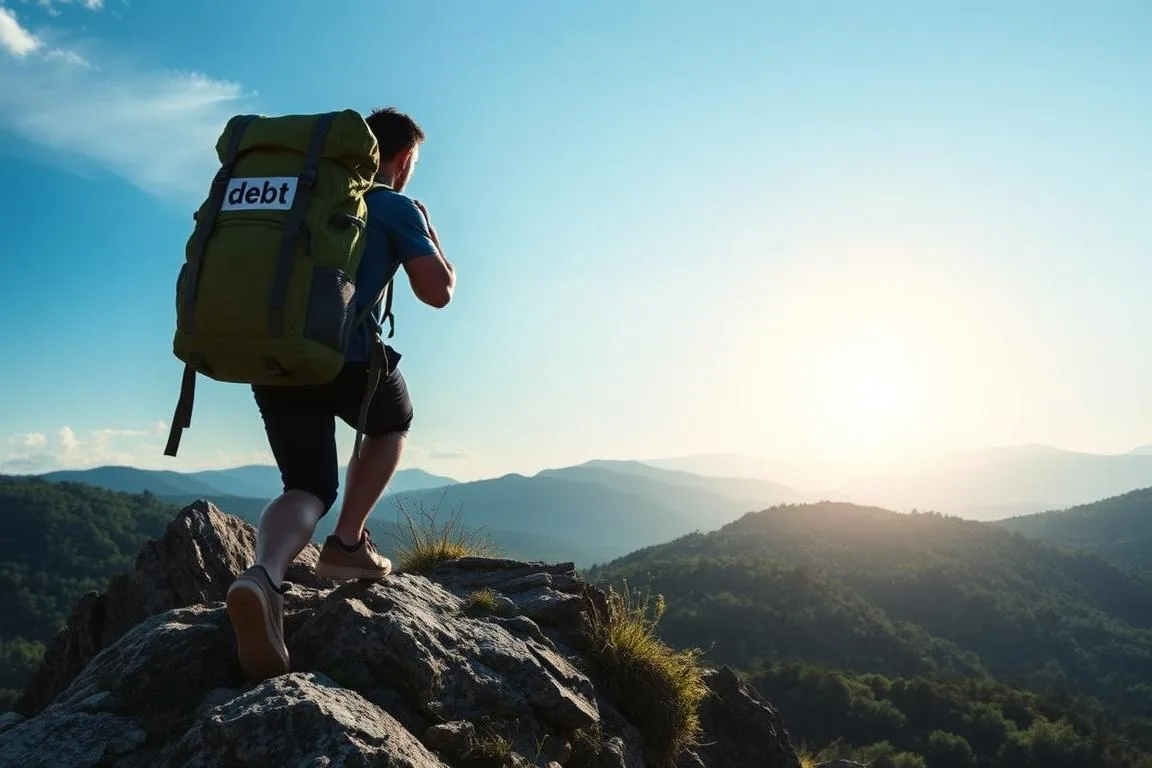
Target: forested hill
[(58, 541), (1119, 528), (928, 596)]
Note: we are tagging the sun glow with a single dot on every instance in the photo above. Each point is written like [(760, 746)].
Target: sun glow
[(865, 398)]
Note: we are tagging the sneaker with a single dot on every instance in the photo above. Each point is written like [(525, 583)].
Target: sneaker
[(340, 562), (256, 610)]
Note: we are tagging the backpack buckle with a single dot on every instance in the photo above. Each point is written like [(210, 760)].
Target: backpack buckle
[(308, 177)]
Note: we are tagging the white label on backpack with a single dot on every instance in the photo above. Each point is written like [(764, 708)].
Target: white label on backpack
[(252, 193)]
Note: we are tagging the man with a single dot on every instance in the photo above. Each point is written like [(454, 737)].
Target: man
[(300, 420)]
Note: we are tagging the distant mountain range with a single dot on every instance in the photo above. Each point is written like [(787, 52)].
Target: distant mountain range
[(601, 509), (256, 481), (982, 484), (586, 513), (604, 508)]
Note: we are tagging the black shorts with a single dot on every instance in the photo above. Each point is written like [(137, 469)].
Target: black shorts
[(301, 423)]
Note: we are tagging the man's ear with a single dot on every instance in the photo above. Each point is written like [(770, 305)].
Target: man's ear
[(405, 157), (397, 160)]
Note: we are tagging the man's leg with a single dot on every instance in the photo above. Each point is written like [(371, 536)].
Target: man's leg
[(301, 429), (286, 527), (350, 553), (367, 478), (301, 434)]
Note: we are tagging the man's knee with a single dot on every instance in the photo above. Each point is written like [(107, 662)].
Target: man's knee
[(325, 493)]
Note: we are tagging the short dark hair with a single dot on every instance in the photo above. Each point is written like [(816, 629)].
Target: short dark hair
[(394, 131)]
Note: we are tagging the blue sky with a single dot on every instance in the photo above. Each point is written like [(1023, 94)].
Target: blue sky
[(843, 228)]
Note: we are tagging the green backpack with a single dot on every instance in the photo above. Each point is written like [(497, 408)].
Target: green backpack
[(266, 294)]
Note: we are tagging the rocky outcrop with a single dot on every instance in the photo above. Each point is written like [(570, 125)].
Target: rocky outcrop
[(410, 671), (195, 560)]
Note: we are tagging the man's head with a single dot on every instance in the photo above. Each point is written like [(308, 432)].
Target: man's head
[(398, 137)]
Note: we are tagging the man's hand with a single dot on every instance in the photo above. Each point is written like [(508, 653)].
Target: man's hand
[(423, 210), (432, 231)]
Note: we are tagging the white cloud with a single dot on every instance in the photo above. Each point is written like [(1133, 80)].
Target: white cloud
[(68, 441), (155, 128), (100, 446), (53, 5), (14, 38), (28, 48), (34, 440), (35, 452)]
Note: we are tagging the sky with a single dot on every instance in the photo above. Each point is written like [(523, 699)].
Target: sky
[(829, 228)]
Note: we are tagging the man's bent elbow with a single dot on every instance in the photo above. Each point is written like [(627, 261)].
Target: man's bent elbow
[(431, 280), (438, 298)]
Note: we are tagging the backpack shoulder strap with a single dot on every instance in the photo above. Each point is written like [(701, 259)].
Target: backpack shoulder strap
[(388, 316), (385, 292)]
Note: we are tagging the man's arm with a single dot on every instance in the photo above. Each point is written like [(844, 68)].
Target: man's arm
[(435, 237), (431, 276)]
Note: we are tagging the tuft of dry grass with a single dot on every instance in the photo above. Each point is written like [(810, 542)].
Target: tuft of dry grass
[(424, 543), (657, 687), (491, 749), (484, 600)]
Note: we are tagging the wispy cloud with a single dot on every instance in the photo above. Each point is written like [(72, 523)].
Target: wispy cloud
[(27, 47), (15, 39), (30, 440), (439, 452), (53, 6), (34, 452), (155, 128)]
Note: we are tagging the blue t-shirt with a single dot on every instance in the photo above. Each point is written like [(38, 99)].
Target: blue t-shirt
[(396, 232)]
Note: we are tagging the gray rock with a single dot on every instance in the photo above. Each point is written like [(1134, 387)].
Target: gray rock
[(198, 556), (451, 740), (138, 675), (531, 581), (298, 719), (522, 625), (9, 719), (617, 754), (61, 736), (740, 729), (616, 743), (505, 576), (505, 606), (408, 632), (549, 607)]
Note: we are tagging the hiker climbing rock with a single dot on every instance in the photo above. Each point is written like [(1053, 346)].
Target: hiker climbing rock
[(286, 285)]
